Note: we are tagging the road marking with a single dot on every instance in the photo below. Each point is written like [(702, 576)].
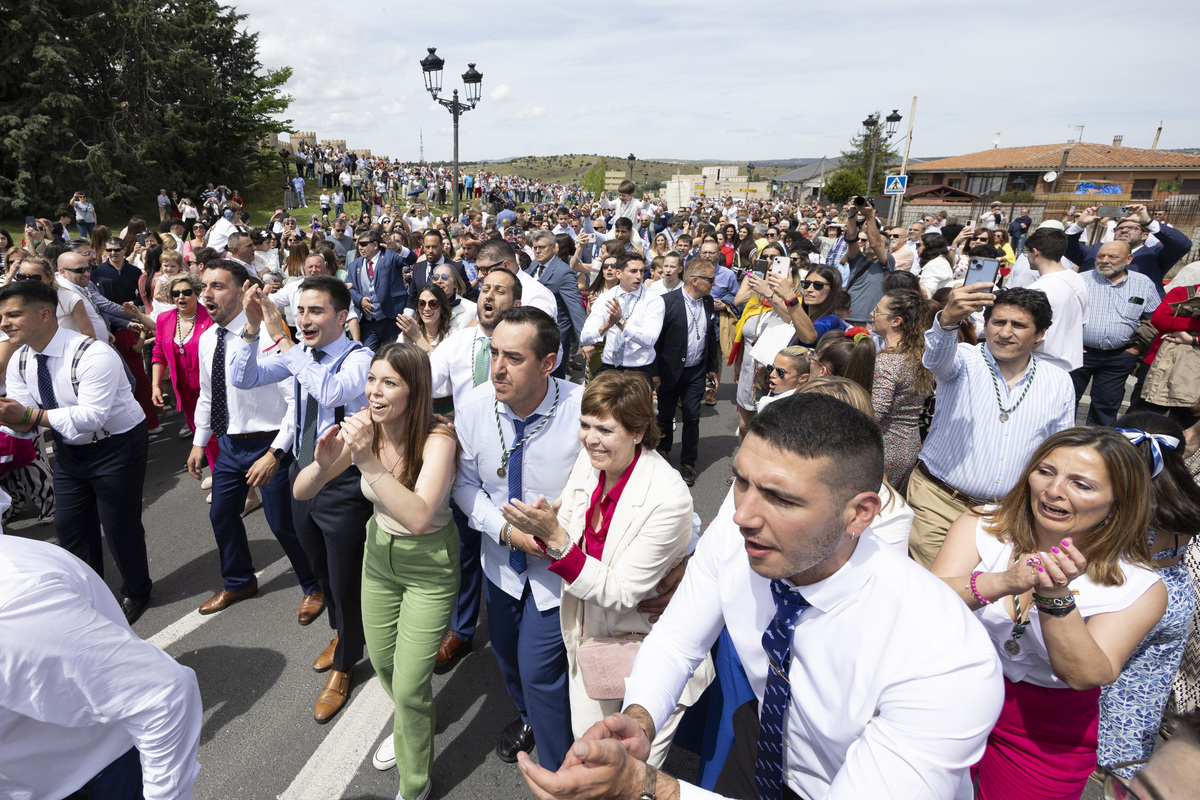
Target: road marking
[(336, 761), (185, 625)]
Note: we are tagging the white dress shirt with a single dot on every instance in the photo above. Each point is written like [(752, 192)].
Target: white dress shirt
[(347, 388), (78, 688), (643, 324), (454, 361), (218, 237), (533, 293), (1068, 295), (659, 288), (697, 332), (257, 410), (968, 446), (547, 460), (104, 405), (894, 685)]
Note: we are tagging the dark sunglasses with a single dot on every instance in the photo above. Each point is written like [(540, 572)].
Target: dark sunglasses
[(114, 249), (818, 285), (24, 276), (364, 244), (429, 303), (780, 372), (980, 239), (706, 278), (895, 236), (80, 271), (181, 293)]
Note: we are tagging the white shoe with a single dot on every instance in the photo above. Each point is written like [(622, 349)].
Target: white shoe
[(424, 792), (206, 484), (185, 432), (209, 498), (155, 431), (385, 755)]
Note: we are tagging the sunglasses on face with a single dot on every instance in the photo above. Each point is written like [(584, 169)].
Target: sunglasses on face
[(818, 285), (980, 239), (429, 303), (895, 236), (25, 276), (181, 293), (780, 372), (708, 278), (80, 271), (114, 250)]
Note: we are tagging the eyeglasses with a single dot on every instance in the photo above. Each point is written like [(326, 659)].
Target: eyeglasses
[(198, 227), (980, 239), (895, 236), (543, 246), (191, 262), (80, 271), (818, 285), (709, 278), (114, 249), (780, 372), (484, 269), (365, 244), (435, 303), (25, 276), (1127, 228), (181, 293), (608, 264), (877, 310)]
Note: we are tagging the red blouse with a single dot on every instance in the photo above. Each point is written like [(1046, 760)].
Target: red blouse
[(569, 566)]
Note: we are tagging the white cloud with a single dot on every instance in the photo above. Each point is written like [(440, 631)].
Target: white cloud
[(536, 112), (500, 92)]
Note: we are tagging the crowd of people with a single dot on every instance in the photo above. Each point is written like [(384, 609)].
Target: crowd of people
[(925, 580)]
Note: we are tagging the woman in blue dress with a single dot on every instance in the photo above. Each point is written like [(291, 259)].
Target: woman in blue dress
[(1131, 708)]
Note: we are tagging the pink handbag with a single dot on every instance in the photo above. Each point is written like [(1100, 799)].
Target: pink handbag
[(606, 661)]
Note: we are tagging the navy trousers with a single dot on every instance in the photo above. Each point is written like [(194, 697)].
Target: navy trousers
[(378, 332), (470, 590), (120, 780), (691, 388), (1107, 371), (100, 484), (333, 532), (229, 490), (529, 648)]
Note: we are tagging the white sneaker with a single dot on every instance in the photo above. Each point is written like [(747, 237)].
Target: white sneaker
[(206, 484), (155, 431), (385, 756), (185, 432), (424, 792)]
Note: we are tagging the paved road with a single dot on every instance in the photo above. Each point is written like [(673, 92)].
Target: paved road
[(253, 661)]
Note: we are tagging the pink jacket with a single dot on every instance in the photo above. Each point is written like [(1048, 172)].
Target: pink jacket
[(183, 362)]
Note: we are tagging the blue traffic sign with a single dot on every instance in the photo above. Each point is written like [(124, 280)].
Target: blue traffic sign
[(895, 184)]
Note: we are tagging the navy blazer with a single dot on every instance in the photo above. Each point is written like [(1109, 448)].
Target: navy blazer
[(420, 279), (671, 347), (1153, 261), (390, 287), (562, 281)]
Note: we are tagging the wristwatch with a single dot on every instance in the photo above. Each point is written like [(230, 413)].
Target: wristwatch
[(558, 552), (277, 453), (247, 337), (793, 302), (651, 781)]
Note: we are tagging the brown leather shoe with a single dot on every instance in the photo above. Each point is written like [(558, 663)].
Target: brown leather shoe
[(311, 607), (333, 696), (325, 660), (223, 599), (451, 648)]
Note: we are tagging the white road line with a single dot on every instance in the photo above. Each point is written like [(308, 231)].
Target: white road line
[(185, 625), (336, 761)]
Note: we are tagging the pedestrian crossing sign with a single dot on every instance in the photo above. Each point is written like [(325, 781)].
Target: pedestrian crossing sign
[(895, 184)]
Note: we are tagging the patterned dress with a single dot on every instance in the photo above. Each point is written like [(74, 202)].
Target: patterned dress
[(1131, 708), (898, 412)]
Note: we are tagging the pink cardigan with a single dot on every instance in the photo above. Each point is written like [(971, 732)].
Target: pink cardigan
[(184, 362)]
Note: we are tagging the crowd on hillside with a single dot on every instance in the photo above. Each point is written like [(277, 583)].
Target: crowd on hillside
[(926, 580)]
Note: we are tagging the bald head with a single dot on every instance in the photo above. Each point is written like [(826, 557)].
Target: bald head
[(1112, 259), (69, 261)]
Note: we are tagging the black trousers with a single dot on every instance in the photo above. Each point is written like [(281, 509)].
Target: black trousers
[(333, 532), (647, 370), (1107, 371), (100, 484), (691, 388)]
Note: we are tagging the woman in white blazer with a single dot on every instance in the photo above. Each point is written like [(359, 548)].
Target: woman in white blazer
[(612, 556)]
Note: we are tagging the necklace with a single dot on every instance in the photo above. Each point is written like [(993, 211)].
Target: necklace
[(392, 468), (507, 451), (1004, 412), (693, 322), (179, 337), (1012, 647)]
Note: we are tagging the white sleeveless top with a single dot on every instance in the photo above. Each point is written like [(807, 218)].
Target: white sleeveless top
[(1032, 664)]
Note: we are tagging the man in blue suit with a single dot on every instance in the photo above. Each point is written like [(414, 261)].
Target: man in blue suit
[(378, 288), (555, 275), (1153, 261), (433, 255)]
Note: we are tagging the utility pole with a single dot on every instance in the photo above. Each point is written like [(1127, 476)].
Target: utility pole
[(895, 216)]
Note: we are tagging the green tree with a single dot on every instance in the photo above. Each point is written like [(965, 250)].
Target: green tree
[(858, 159), (119, 98), (593, 180), (844, 184)]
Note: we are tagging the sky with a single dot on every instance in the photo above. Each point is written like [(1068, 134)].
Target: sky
[(736, 81)]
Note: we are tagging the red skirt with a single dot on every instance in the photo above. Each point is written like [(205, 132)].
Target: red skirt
[(1043, 745)]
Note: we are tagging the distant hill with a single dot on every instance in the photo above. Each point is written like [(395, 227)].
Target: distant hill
[(571, 168)]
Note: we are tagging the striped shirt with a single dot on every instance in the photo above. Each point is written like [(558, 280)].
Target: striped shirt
[(968, 446), (1116, 310)]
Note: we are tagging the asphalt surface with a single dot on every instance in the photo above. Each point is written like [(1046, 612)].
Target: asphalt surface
[(254, 662)]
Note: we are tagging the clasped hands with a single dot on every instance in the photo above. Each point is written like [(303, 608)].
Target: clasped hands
[(609, 761), (532, 523)]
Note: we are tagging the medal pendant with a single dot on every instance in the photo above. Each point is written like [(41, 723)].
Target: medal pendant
[(1012, 647), (1004, 416), (501, 472)]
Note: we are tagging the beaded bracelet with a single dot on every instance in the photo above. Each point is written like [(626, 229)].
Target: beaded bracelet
[(983, 601)]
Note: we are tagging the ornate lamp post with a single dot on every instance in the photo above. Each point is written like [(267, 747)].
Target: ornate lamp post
[(431, 66), (870, 123)]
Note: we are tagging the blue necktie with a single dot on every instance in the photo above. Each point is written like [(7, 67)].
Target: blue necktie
[(45, 384), (516, 558), (619, 335), (772, 715), (219, 416)]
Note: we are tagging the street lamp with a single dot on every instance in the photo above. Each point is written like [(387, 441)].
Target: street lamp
[(631, 158), (749, 177), (892, 121), (431, 66)]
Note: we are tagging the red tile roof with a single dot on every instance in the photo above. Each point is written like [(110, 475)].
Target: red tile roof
[(1084, 155)]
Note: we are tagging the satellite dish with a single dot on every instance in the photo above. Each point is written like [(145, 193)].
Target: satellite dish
[(1050, 177)]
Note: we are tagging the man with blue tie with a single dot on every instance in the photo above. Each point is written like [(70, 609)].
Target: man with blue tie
[(253, 447), (69, 383), (629, 318), (329, 379), (555, 275), (868, 677), (378, 288), (519, 438)]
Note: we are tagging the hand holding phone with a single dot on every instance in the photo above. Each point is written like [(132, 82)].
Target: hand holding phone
[(982, 270)]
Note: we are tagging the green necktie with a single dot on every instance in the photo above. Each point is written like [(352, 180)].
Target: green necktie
[(482, 360)]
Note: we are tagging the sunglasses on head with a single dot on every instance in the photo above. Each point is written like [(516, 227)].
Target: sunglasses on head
[(181, 293), (434, 303), (818, 285)]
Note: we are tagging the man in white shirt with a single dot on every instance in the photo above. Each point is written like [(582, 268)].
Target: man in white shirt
[(253, 445), (1068, 296), (629, 318), (499, 254), (870, 680), (85, 703), (76, 387), (529, 457)]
